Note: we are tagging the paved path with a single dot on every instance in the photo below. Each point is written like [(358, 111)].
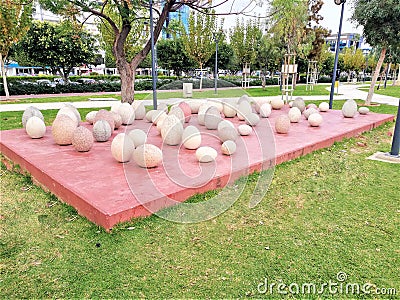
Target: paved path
[(346, 92)]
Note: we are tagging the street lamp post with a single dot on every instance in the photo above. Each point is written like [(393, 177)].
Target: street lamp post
[(366, 52), (216, 39), (337, 2), (153, 57)]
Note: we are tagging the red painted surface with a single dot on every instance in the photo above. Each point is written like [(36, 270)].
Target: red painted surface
[(107, 192)]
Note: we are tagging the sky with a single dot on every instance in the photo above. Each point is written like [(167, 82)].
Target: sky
[(330, 11)]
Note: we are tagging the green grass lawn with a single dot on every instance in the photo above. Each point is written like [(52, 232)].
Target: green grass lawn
[(393, 91), (328, 212), (221, 93)]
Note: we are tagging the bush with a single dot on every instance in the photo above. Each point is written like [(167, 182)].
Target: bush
[(207, 83)]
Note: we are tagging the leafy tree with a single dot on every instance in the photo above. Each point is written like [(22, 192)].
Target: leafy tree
[(61, 47), (130, 12), (15, 19), (171, 56), (353, 60), (245, 40), (226, 57), (381, 22), (198, 44)]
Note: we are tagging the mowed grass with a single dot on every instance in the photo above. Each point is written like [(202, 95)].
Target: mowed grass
[(328, 212), (197, 94), (393, 91)]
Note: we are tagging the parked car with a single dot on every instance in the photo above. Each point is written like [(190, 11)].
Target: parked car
[(86, 81), (45, 82)]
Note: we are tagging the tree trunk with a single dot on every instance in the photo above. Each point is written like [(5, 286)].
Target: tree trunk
[(201, 76), (375, 77), (127, 74), (3, 72)]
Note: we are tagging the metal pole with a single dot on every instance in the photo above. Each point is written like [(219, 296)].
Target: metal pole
[(386, 75), (153, 57), (216, 65), (396, 136), (336, 59)]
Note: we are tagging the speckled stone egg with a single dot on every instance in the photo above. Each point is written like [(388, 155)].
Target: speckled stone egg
[(277, 103), (172, 130), (30, 112), (363, 110), (244, 97), (225, 123), (101, 131), (149, 115), (195, 105), (349, 108), (177, 112), (299, 103), (147, 156), (70, 113), (206, 154), (265, 110), (139, 109), (74, 110), (62, 129), (162, 106), (260, 102), (202, 112), (158, 115), (315, 120), (115, 107), (309, 111), (212, 118), (82, 139), (244, 109), (117, 120), (228, 147), (90, 116), (127, 113), (323, 106), (312, 105), (138, 137), (244, 129), (227, 133), (294, 114), (252, 119), (229, 108), (218, 104), (35, 127), (187, 111), (191, 138), (122, 147), (282, 124), (105, 115)]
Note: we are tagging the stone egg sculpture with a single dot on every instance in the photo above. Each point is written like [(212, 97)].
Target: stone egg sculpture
[(252, 119), (349, 108), (195, 105), (282, 124), (227, 133), (225, 123), (90, 116), (315, 120), (202, 112), (35, 127), (105, 115), (117, 120), (244, 97), (147, 156), (206, 154), (323, 106), (228, 147), (212, 118), (115, 107), (260, 102), (82, 139), (172, 130), (291, 104), (363, 110), (311, 105), (187, 111), (265, 110), (229, 108), (299, 103), (309, 111), (30, 112), (149, 115), (191, 138), (158, 115), (101, 131), (127, 113), (244, 129), (177, 112), (162, 106), (294, 114), (138, 137), (217, 104), (74, 110), (277, 103), (244, 109), (139, 109), (70, 113), (122, 148), (62, 129)]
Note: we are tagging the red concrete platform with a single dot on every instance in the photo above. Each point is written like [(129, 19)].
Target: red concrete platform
[(107, 192)]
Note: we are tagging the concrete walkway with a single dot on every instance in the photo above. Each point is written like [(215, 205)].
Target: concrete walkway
[(346, 91)]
